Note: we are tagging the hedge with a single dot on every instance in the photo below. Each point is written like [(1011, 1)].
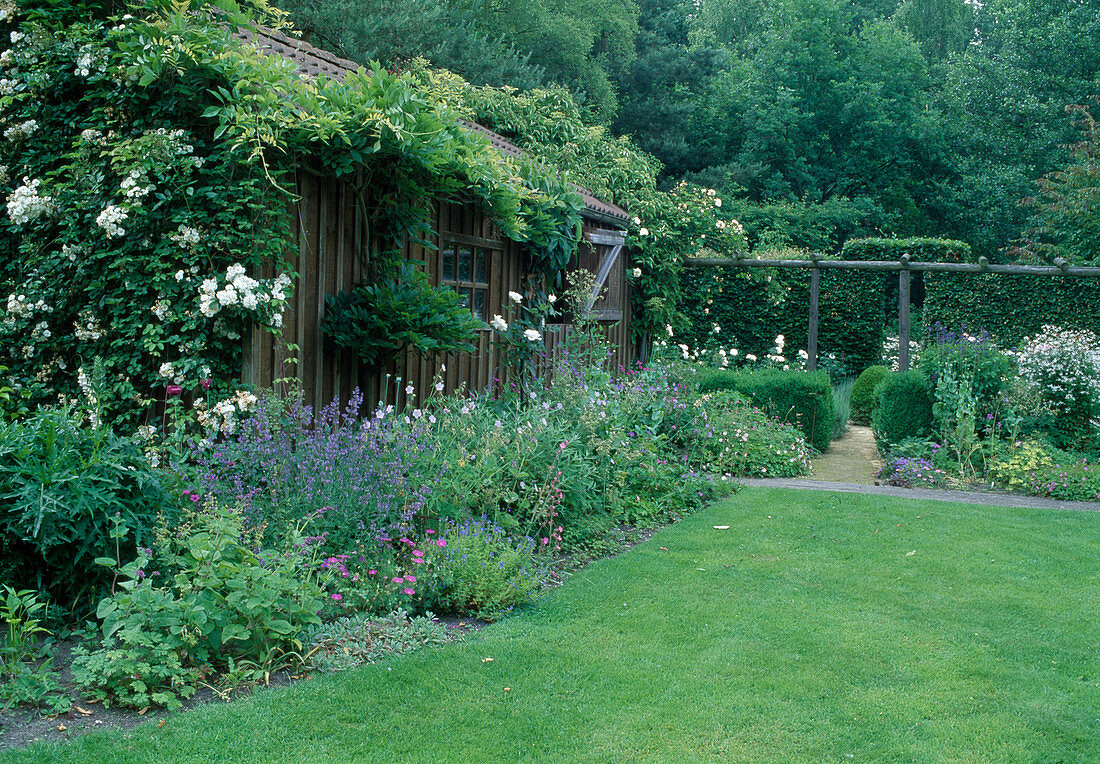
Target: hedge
[(851, 320), (903, 408), (862, 401), (800, 398), (1010, 307), (919, 249)]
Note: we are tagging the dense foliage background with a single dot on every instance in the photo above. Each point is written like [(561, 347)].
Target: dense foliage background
[(826, 118)]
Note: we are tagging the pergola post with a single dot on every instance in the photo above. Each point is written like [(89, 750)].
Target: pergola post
[(903, 320), (811, 334)]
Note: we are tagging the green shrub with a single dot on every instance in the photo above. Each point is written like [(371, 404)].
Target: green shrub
[(1034, 468), (800, 398), (903, 408), (863, 393), (353, 640), (61, 482), (380, 320), (722, 432)]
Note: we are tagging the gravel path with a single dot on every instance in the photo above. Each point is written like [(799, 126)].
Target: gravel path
[(925, 494), (851, 459), (850, 464)]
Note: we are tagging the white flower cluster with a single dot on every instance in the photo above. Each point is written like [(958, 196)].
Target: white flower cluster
[(1064, 365), (160, 309), (186, 237), (19, 307), (891, 347), (84, 62), (22, 131), (7, 11), (85, 385), (136, 185), (25, 205), (110, 220), (172, 142), (8, 86), (86, 327), (92, 136), (168, 370), (241, 289), (41, 332), (223, 416)]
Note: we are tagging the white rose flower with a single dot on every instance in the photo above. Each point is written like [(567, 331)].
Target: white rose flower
[(499, 324), (532, 335), (515, 297), (637, 273)]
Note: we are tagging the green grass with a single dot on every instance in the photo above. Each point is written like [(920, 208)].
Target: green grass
[(819, 627)]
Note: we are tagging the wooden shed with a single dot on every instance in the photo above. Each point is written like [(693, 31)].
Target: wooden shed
[(471, 255)]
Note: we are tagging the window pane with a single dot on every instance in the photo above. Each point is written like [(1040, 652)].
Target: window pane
[(449, 263), (481, 268), (465, 294), (480, 303), (465, 263)]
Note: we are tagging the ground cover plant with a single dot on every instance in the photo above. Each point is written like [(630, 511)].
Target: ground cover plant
[(895, 629)]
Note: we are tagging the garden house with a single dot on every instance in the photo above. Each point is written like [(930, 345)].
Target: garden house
[(471, 255)]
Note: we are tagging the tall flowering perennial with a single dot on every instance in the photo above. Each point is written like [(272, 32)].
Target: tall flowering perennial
[(1064, 366)]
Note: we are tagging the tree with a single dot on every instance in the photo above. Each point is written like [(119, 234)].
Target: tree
[(449, 35), (1066, 222)]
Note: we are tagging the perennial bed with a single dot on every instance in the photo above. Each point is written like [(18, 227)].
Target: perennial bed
[(894, 629)]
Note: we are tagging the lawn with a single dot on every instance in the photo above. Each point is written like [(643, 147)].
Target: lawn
[(817, 627)]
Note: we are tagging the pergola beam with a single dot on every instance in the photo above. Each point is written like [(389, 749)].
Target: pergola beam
[(899, 265)]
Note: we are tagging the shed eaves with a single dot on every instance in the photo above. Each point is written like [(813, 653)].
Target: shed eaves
[(314, 62)]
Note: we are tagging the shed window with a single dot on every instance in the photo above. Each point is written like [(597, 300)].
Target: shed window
[(465, 268)]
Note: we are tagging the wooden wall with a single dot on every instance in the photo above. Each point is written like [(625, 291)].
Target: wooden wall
[(331, 243)]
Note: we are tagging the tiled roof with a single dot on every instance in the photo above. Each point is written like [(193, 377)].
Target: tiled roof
[(315, 62)]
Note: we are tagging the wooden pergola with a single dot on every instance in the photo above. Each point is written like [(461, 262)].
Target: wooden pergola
[(903, 267)]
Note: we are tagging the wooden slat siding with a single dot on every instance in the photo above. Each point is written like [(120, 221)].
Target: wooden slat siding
[(331, 238), (347, 365), (265, 378), (327, 256), (307, 286), (282, 367)]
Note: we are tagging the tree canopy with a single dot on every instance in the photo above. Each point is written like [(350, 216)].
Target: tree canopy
[(894, 117)]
